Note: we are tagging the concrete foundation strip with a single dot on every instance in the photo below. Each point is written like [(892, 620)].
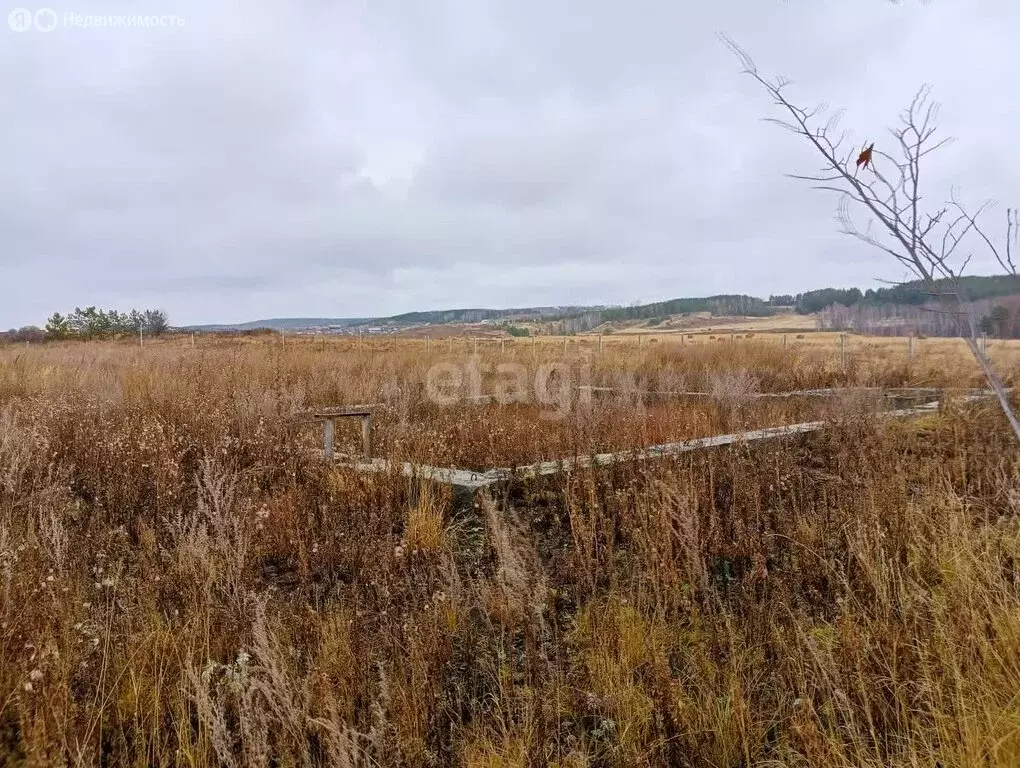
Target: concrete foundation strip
[(471, 480)]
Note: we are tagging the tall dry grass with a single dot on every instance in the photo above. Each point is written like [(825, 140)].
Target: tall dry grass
[(181, 582)]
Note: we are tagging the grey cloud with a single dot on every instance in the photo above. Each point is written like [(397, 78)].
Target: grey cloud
[(360, 158)]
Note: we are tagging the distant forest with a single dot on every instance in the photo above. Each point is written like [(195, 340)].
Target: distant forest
[(909, 308), (912, 294), (727, 304), (902, 308)]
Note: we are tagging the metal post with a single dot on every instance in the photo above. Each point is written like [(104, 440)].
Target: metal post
[(984, 343), (192, 340), (328, 431), (564, 345), (910, 347), (600, 342), (784, 341), (283, 336), (475, 348), (842, 350), (366, 436), (428, 343), (451, 343), (140, 336), (502, 345)]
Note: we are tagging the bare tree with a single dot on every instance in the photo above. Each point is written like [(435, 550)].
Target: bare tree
[(933, 245)]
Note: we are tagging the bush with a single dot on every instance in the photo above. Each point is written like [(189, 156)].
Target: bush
[(27, 333)]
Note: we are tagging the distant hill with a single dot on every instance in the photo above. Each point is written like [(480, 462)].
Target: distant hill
[(587, 318), (284, 324), (433, 317), (582, 318), (459, 316), (748, 306)]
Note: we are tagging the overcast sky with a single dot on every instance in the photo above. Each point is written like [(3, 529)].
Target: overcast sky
[(337, 158)]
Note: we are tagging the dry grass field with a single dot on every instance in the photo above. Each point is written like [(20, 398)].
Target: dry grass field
[(789, 321), (184, 582)]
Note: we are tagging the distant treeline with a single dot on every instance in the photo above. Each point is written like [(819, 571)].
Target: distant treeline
[(718, 305), (911, 308), (881, 310), (999, 317), (909, 294), (92, 323), (896, 309), (724, 304), (446, 316)]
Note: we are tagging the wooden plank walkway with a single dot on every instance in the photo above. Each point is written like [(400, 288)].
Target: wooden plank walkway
[(472, 480), (459, 478)]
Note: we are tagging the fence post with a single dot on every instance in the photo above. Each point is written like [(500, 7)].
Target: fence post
[(784, 341), (328, 429), (910, 347), (984, 343), (502, 346), (192, 340), (564, 345), (842, 350), (366, 435), (600, 342), (475, 340)]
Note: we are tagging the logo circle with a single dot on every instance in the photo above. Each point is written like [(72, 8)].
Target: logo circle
[(45, 20), (20, 20)]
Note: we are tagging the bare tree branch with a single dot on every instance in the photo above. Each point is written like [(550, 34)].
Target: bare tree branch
[(890, 190)]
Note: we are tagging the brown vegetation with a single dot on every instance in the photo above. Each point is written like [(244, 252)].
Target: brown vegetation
[(182, 582)]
